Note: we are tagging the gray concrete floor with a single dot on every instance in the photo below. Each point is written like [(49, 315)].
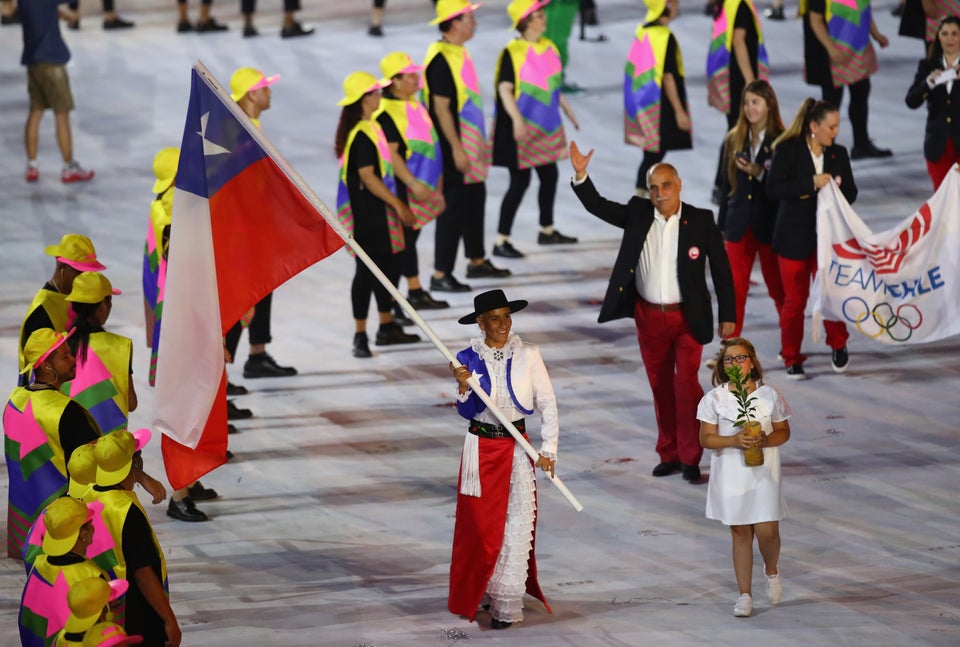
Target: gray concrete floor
[(336, 517)]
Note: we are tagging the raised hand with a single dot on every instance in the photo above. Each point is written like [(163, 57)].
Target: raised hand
[(579, 161)]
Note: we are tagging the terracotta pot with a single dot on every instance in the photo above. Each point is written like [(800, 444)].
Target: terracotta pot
[(753, 457)]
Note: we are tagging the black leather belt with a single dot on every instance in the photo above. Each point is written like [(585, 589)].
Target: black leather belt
[(486, 430)]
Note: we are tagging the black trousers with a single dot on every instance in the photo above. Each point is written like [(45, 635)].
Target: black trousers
[(519, 181), (365, 284), (250, 6), (409, 261), (463, 218), (859, 110), (649, 159), (107, 5), (259, 329)]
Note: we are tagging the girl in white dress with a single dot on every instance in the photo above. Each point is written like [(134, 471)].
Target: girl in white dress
[(748, 499)]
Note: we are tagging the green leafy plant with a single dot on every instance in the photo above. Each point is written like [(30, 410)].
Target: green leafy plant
[(739, 381)]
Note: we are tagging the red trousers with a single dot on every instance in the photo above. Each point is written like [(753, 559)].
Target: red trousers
[(671, 357), (796, 276), (742, 254), (939, 169)]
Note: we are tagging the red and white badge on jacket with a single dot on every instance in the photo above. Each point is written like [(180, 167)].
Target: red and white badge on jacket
[(693, 253)]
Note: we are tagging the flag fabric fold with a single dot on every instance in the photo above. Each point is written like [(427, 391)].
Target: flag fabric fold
[(243, 223)]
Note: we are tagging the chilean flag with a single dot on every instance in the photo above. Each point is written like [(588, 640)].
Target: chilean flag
[(243, 223)]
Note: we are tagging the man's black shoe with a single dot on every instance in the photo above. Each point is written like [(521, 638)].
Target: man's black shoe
[(421, 300), (263, 365), (774, 13), (185, 510), (232, 430), (229, 455), (361, 345), (236, 413), (869, 151), (236, 389), (391, 334), (506, 250), (691, 473), (117, 23), (486, 269), (554, 238), (184, 26), (665, 469), (840, 360), (249, 31), (400, 317), (447, 284), (199, 493), (295, 30), (209, 27)]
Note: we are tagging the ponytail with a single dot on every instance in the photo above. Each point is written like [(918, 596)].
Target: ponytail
[(810, 110)]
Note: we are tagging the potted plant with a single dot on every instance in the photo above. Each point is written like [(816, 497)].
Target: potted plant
[(753, 456)]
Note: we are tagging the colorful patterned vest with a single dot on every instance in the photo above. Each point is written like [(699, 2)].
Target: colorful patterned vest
[(473, 134), (423, 156), (720, 56), (35, 460), (102, 384), (848, 23), (155, 274), (643, 86), (57, 308), (943, 8), (344, 210), (539, 75), (43, 607)]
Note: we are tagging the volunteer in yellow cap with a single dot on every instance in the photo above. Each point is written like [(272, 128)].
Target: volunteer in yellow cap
[(140, 559), (109, 395), (250, 88), (368, 207), (42, 427), (108, 634), (49, 308), (68, 532), (89, 603), (527, 130)]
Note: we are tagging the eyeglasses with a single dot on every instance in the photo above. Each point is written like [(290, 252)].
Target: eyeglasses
[(739, 359)]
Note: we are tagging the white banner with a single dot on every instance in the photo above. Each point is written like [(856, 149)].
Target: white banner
[(899, 286)]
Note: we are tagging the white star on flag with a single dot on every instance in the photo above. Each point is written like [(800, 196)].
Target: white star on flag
[(209, 148)]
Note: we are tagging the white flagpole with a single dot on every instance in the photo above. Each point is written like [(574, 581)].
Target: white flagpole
[(334, 222)]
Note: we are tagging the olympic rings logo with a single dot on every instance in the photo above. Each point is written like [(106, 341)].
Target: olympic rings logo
[(898, 324)]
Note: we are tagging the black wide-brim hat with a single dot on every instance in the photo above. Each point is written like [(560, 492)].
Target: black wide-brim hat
[(491, 300)]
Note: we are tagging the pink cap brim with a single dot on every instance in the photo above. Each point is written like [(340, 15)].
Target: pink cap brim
[(264, 82), (82, 266), (142, 436), (121, 640), (55, 346), (467, 9), (413, 68), (118, 588)]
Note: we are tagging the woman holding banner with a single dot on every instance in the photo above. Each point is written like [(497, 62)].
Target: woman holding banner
[(493, 560), (806, 159)]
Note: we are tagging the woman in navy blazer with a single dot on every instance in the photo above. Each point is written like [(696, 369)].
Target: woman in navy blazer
[(805, 159), (936, 84), (746, 214)]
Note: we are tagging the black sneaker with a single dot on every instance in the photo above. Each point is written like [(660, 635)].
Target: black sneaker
[(199, 493), (236, 413), (691, 473), (210, 26), (869, 151), (421, 300), (12, 19), (263, 365), (506, 250), (236, 389), (841, 360), (295, 30), (117, 23), (250, 31), (555, 238), (773, 13), (400, 317), (795, 372), (184, 26), (185, 510), (375, 30), (447, 284), (666, 469), (361, 345), (391, 334), (485, 270)]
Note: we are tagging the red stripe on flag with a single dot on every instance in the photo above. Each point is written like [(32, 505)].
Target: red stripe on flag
[(185, 465)]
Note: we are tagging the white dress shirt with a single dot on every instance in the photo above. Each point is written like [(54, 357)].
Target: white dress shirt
[(657, 270)]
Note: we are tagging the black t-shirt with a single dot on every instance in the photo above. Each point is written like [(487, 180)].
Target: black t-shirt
[(392, 133), (439, 79), (504, 145), (744, 20), (77, 428), (37, 319), (369, 212)]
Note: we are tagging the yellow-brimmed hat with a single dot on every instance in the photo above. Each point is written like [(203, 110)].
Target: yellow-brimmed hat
[(248, 78), (108, 634), (654, 9), (114, 453), (396, 63), (449, 9), (63, 520), (91, 287), (76, 251), (358, 84), (87, 599), (41, 343), (165, 168), (520, 9)]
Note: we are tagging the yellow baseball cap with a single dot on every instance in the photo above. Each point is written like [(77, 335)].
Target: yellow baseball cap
[(87, 599), (358, 84), (91, 287), (76, 251), (520, 9), (247, 79), (40, 344), (396, 63), (165, 168), (63, 520), (108, 634), (449, 9), (114, 454), (82, 466), (654, 9)]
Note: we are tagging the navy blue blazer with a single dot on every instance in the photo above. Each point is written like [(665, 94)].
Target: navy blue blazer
[(699, 242), (747, 206), (943, 111)]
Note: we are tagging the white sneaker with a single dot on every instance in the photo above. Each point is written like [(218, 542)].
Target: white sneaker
[(744, 606), (774, 588)]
